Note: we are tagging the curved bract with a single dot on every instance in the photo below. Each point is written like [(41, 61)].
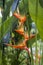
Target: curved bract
[(32, 10)]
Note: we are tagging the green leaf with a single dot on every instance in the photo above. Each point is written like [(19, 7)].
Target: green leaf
[(7, 25), (7, 9), (32, 10)]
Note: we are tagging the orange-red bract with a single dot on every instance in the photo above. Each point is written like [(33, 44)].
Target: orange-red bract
[(21, 18), (29, 37), (20, 32), (20, 46)]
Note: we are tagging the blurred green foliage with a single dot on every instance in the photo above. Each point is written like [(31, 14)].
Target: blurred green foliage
[(16, 56), (36, 12)]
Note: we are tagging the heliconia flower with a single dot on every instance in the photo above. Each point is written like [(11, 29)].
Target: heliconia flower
[(9, 45), (29, 37), (27, 49), (25, 40), (26, 36), (17, 15), (20, 32), (20, 25), (19, 46), (21, 18)]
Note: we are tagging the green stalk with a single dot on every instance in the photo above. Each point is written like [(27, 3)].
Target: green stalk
[(32, 61), (36, 31)]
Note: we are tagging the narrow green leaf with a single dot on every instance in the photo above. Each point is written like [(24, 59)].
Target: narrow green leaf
[(7, 25)]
